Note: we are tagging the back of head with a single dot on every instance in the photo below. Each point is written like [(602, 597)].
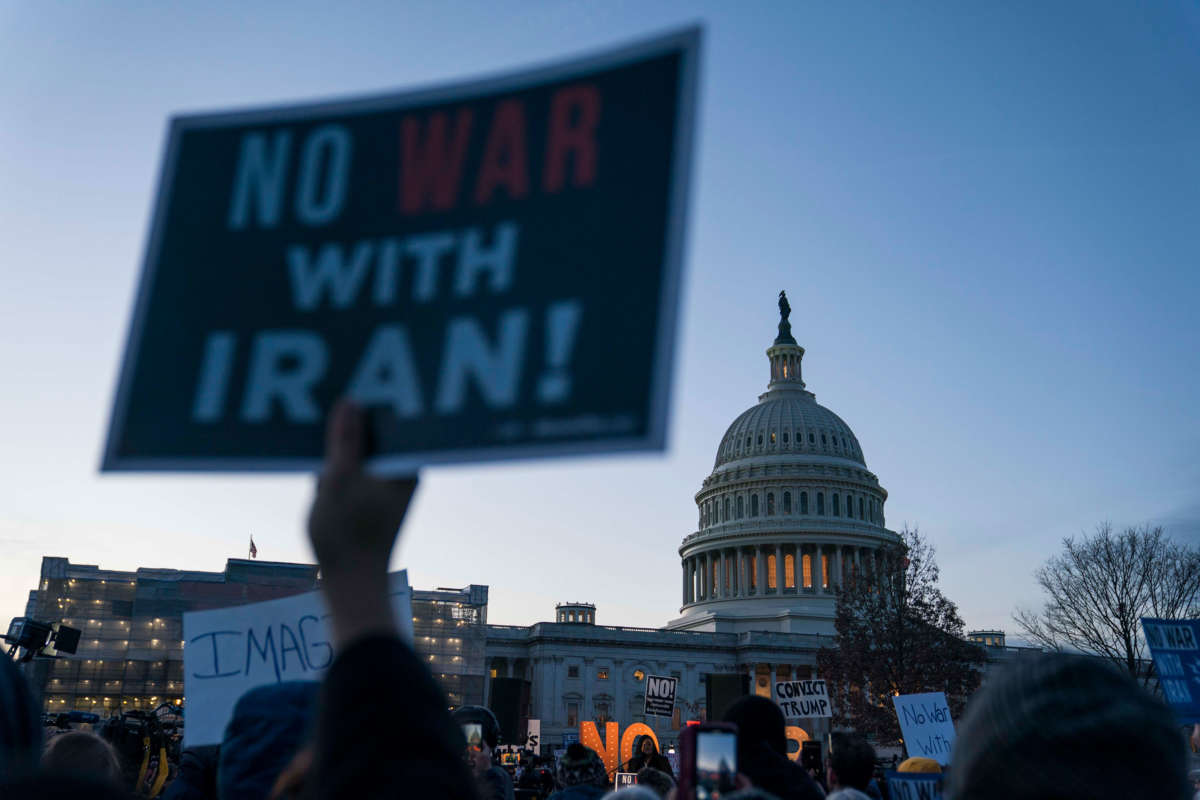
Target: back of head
[(82, 755), (269, 725), (852, 759), (659, 781), (636, 792), (760, 724), (489, 725), (580, 765), (1066, 727), (920, 765), (20, 723)]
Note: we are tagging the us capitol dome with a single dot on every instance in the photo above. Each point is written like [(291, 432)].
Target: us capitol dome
[(789, 510)]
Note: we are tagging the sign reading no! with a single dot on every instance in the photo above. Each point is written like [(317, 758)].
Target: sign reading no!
[(491, 269)]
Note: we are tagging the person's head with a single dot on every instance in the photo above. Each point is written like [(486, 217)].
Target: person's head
[(659, 781), (851, 761), (269, 726), (83, 755), (637, 792), (647, 746), (580, 765), (918, 764), (20, 726), (481, 729), (1066, 727), (760, 726)]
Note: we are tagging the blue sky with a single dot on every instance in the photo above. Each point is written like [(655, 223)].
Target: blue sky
[(987, 218)]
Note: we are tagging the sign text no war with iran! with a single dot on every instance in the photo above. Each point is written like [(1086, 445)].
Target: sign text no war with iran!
[(491, 269)]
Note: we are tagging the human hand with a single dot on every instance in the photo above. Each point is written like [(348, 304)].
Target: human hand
[(353, 525)]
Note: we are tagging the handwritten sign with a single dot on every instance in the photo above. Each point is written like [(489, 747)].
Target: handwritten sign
[(926, 724), (803, 699), (1175, 647), (914, 786), (472, 264), (228, 651), (660, 695)]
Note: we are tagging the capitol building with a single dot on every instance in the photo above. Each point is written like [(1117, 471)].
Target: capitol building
[(789, 510)]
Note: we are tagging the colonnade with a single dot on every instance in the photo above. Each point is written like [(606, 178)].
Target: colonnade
[(772, 569)]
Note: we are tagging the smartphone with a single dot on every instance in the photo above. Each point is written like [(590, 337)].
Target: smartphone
[(707, 760), (473, 731), (810, 757)]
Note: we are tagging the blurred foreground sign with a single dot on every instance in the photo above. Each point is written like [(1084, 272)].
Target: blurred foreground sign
[(228, 651), (926, 724), (492, 269), (914, 786), (1175, 647)]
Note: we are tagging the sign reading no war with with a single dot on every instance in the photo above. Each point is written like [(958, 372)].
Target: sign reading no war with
[(1175, 648), (228, 651), (926, 724), (491, 269)]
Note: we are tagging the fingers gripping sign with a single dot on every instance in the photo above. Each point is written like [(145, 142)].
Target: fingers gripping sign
[(353, 525)]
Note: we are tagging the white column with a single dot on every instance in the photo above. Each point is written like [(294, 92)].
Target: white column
[(779, 569)]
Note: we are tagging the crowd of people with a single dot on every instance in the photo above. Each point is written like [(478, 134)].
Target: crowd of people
[(378, 726)]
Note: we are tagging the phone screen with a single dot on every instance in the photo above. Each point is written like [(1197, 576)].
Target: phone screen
[(716, 763), (474, 733)]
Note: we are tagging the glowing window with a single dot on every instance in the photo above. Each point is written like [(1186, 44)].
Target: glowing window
[(754, 572), (806, 566), (825, 571), (602, 674), (771, 584), (789, 571), (772, 437), (639, 675)]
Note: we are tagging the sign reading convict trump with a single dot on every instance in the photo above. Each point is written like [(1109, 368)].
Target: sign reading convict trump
[(491, 269)]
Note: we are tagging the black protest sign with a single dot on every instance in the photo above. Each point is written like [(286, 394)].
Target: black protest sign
[(803, 699), (623, 779), (660, 696), (914, 786), (491, 269)]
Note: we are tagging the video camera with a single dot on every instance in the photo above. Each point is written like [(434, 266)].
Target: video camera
[(143, 737), (48, 639)]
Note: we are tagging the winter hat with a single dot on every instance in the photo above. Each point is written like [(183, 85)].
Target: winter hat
[(918, 764), (1066, 727), (20, 723), (581, 765), (269, 725)]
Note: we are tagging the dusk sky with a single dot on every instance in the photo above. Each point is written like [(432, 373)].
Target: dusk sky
[(986, 216)]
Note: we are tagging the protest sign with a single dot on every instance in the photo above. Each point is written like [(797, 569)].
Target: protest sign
[(803, 699), (1175, 647), (533, 735), (914, 786), (926, 725), (228, 651), (623, 779), (491, 269), (660, 696)]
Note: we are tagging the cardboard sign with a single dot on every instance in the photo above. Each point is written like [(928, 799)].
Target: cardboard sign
[(491, 269), (228, 651), (623, 779), (660, 695), (803, 699), (914, 786), (533, 735), (926, 725), (1175, 647)]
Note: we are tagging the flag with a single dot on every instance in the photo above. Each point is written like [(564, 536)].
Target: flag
[(253, 549)]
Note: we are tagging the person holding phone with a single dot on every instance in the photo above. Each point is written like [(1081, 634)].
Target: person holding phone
[(482, 732), (762, 751)]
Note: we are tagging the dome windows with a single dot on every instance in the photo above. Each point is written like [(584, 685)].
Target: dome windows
[(754, 505), (760, 440), (820, 504), (804, 502), (770, 504), (772, 437), (787, 500), (812, 439), (741, 507), (824, 441), (785, 437), (836, 510)]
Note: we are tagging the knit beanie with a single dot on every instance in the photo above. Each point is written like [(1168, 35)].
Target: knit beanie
[(269, 725), (1066, 727), (581, 765), (918, 764)]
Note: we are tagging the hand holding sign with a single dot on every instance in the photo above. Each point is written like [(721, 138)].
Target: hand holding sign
[(353, 525)]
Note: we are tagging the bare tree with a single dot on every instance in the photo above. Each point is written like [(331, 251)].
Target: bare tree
[(1099, 588), (896, 634)]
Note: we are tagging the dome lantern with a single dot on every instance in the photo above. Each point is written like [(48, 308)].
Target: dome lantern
[(784, 353)]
